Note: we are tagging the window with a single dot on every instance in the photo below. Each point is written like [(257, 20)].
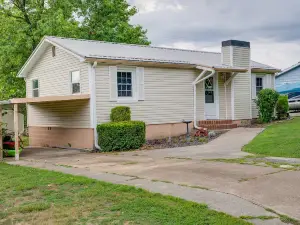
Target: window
[(35, 88), (75, 80), (209, 90), (53, 51), (259, 84), (124, 82)]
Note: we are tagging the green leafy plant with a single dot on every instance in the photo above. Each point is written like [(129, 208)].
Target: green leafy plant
[(121, 136), (282, 106), (266, 101), (120, 114)]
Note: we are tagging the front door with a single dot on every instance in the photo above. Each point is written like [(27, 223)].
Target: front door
[(210, 98)]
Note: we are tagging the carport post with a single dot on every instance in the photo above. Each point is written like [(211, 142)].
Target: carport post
[(1, 140), (16, 126)]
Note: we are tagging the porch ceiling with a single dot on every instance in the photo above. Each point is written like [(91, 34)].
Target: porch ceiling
[(49, 99)]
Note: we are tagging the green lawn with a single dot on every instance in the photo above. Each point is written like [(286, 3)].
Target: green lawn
[(32, 196), (280, 139)]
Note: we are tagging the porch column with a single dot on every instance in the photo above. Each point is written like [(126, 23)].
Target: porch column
[(16, 127), (1, 138)]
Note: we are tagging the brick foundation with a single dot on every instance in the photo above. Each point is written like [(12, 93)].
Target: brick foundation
[(61, 137)]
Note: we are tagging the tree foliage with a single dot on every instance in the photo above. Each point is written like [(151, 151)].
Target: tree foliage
[(266, 102), (25, 22), (282, 107)]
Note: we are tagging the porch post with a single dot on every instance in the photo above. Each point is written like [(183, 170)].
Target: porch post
[(1, 138), (16, 127)]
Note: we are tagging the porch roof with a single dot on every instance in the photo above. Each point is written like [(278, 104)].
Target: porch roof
[(46, 99)]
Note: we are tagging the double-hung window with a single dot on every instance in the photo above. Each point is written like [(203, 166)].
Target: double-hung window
[(259, 84), (75, 82), (35, 88), (124, 82)]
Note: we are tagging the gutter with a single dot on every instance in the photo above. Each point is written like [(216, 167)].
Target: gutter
[(92, 84), (197, 81)]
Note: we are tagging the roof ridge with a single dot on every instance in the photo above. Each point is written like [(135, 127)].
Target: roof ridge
[(289, 68), (143, 46)]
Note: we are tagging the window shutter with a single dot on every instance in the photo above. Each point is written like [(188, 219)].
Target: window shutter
[(253, 86), (140, 83), (267, 82), (113, 82)]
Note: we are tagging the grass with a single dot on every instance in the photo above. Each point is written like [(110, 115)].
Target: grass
[(33, 196), (284, 218), (279, 140), (258, 217)]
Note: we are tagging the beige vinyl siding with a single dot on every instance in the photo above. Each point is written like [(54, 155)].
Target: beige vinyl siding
[(67, 114), (53, 74), (222, 102), (168, 96), (54, 78), (242, 84), (254, 107), (226, 55)]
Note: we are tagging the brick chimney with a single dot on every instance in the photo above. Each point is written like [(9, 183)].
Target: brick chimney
[(236, 53)]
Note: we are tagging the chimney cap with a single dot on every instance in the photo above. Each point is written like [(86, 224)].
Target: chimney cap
[(237, 43)]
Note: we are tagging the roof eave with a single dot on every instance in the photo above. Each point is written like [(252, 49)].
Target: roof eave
[(263, 70), (139, 62)]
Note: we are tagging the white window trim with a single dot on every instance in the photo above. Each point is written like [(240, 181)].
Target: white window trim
[(71, 84), (33, 89), (134, 88), (262, 76)]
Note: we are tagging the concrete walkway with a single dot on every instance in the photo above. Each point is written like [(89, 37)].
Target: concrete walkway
[(248, 186), (228, 203)]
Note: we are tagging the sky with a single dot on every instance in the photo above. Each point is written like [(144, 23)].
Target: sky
[(271, 26)]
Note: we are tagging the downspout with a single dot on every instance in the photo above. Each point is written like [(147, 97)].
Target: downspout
[(197, 81), (93, 103)]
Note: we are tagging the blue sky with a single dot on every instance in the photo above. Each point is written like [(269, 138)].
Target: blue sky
[(272, 26)]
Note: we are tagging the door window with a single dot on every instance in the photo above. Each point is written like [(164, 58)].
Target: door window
[(209, 90)]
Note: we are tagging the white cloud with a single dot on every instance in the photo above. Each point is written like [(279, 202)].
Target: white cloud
[(203, 24)]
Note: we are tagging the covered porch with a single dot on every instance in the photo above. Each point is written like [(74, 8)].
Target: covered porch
[(64, 119), (216, 85)]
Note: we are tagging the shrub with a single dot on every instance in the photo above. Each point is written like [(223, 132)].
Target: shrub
[(282, 106), (266, 102), (120, 114), (120, 136)]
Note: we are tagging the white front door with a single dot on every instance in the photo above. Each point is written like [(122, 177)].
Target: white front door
[(210, 98)]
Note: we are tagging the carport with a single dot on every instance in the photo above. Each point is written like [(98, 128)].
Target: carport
[(17, 101)]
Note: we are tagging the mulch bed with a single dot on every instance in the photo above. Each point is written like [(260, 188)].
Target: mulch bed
[(180, 141)]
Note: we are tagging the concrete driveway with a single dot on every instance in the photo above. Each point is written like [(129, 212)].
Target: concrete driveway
[(270, 187)]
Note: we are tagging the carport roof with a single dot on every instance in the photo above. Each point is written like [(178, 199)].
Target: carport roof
[(46, 99)]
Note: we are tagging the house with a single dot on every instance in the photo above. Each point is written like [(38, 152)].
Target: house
[(288, 81), (72, 85)]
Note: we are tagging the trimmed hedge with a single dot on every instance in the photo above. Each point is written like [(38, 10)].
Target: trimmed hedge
[(121, 136), (282, 107), (266, 102), (120, 114)]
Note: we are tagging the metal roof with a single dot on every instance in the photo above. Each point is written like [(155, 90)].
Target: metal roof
[(109, 50), (89, 49)]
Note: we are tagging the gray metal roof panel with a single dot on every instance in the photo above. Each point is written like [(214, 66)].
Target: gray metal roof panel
[(109, 50)]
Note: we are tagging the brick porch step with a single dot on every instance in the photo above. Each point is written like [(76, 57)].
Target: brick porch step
[(217, 124)]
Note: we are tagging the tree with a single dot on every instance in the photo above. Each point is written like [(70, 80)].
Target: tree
[(25, 22)]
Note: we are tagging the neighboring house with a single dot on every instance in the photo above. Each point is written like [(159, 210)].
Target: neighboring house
[(72, 85), (288, 81)]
